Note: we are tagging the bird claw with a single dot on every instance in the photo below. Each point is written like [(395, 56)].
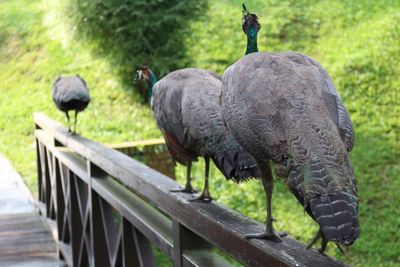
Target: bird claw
[(203, 197), (272, 235), (189, 190), (324, 243), (340, 249)]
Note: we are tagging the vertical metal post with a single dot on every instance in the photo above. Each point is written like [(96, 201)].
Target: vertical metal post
[(100, 252), (184, 239), (39, 170), (47, 183), (177, 243)]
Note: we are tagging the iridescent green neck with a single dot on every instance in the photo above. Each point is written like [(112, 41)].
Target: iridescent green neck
[(151, 83), (251, 40)]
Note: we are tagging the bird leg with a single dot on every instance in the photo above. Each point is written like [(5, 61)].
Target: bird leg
[(316, 237), (267, 180), (205, 195), (76, 118), (188, 187), (69, 126), (324, 242)]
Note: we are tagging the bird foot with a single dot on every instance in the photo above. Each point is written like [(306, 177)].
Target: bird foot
[(272, 235), (203, 197), (340, 249), (189, 190), (324, 243)]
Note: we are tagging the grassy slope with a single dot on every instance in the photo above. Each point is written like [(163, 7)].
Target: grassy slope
[(36, 47), (32, 54)]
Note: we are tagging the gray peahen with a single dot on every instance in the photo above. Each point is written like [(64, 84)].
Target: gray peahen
[(283, 108), (186, 107), (71, 93)]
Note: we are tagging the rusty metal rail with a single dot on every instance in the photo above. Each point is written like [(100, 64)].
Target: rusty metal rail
[(108, 209)]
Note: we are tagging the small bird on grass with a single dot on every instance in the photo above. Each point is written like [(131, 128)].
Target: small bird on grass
[(71, 93)]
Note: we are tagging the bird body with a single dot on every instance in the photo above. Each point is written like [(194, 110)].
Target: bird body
[(187, 110), (284, 108), (71, 93)]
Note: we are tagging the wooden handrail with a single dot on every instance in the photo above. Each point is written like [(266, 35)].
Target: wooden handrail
[(185, 231)]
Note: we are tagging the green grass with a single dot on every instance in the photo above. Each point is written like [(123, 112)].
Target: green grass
[(34, 51), (357, 42)]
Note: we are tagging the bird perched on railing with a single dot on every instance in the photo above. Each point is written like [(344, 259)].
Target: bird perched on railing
[(283, 108), (71, 93), (186, 107)]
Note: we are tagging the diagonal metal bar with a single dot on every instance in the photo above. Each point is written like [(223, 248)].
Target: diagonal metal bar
[(100, 250)]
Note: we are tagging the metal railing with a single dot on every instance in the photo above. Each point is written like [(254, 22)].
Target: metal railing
[(107, 209)]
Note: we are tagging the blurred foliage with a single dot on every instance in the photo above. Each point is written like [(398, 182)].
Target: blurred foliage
[(136, 32), (358, 42)]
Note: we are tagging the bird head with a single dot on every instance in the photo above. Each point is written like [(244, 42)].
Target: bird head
[(249, 20), (142, 73), (144, 79)]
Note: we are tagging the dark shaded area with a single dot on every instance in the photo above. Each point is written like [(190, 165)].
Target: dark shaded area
[(136, 32)]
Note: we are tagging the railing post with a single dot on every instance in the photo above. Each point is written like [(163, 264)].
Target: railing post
[(79, 221), (184, 239), (177, 243), (39, 171), (90, 170)]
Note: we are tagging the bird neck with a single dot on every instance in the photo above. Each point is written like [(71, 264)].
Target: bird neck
[(251, 40), (151, 83)]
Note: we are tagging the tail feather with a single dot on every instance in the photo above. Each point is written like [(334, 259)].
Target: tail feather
[(237, 165), (325, 199), (337, 216)]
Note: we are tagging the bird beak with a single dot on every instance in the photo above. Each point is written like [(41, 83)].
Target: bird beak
[(138, 76)]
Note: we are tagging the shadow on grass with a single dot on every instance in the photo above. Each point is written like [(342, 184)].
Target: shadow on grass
[(132, 33)]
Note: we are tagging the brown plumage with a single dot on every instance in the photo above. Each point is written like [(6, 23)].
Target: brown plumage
[(284, 108), (186, 107)]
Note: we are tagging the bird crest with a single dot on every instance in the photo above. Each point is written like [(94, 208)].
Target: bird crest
[(249, 20)]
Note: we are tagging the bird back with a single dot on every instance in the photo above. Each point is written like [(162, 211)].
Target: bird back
[(283, 107), (70, 93), (186, 107)]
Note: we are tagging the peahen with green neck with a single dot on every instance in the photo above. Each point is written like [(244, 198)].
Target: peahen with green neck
[(185, 104), (144, 80), (283, 108)]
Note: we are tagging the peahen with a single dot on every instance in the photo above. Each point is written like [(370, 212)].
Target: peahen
[(144, 79), (186, 107), (71, 93), (283, 108)]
